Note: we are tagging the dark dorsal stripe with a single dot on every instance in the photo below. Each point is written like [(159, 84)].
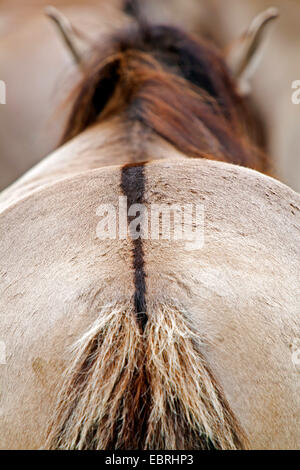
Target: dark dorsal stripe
[(132, 8), (133, 187)]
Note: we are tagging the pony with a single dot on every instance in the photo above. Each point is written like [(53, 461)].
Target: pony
[(140, 342)]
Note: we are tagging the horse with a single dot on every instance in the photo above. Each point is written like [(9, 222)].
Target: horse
[(120, 337)]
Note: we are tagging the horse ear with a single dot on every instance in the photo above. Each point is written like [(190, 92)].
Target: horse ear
[(243, 56), (70, 35)]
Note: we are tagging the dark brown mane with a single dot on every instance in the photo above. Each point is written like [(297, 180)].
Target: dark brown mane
[(173, 84)]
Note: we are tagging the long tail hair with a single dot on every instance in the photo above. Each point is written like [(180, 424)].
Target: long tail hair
[(151, 390)]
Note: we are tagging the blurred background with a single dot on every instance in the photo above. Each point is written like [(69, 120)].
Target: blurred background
[(38, 70)]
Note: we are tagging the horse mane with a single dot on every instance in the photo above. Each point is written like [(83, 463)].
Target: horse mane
[(175, 85)]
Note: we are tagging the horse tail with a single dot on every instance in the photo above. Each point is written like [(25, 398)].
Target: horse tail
[(148, 389)]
